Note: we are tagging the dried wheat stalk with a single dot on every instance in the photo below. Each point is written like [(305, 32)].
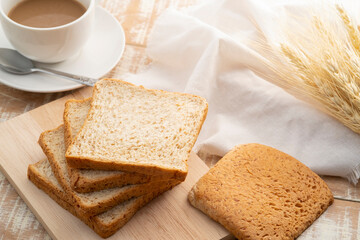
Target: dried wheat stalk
[(323, 64)]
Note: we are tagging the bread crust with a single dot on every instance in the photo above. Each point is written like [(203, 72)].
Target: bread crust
[(92, 162), (103, 164), (43, 183), (258, 192), (81, 184)]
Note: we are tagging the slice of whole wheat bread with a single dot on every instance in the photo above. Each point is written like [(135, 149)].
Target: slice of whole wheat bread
[(105, 224), (52, 143), (83, 180), (133, 129), (258, 192)]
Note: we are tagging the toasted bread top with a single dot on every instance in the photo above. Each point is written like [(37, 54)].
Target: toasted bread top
[(256, 192)]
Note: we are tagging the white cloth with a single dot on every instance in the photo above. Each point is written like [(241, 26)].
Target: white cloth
[(205, 50)]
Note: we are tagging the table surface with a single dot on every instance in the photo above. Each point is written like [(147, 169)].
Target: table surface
[(340, 221)]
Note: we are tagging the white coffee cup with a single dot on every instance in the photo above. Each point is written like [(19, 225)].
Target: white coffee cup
[(48, 45)]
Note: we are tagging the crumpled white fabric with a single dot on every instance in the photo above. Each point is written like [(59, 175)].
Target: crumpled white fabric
[(206, 50)]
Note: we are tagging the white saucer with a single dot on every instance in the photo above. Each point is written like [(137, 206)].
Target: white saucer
[(101, 53)]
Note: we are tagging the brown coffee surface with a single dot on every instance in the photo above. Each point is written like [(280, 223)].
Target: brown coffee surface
[(46, 13)]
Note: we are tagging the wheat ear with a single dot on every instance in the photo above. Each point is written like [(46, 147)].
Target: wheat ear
[(323, 67)]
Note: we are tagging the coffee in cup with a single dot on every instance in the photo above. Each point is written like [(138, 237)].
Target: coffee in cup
[(46, 13)]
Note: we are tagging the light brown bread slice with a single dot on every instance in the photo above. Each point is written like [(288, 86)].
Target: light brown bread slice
[(133, 129), (83, 180), (258, 192), (52, 143), (105, 224), (75, 113)]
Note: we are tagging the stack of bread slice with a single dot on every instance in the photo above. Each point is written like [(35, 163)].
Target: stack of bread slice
[(117, 151)]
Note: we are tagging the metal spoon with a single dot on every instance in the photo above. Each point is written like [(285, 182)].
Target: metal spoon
[(13, 62)]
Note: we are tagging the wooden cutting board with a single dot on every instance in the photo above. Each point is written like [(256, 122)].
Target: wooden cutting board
[(169, 216)]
